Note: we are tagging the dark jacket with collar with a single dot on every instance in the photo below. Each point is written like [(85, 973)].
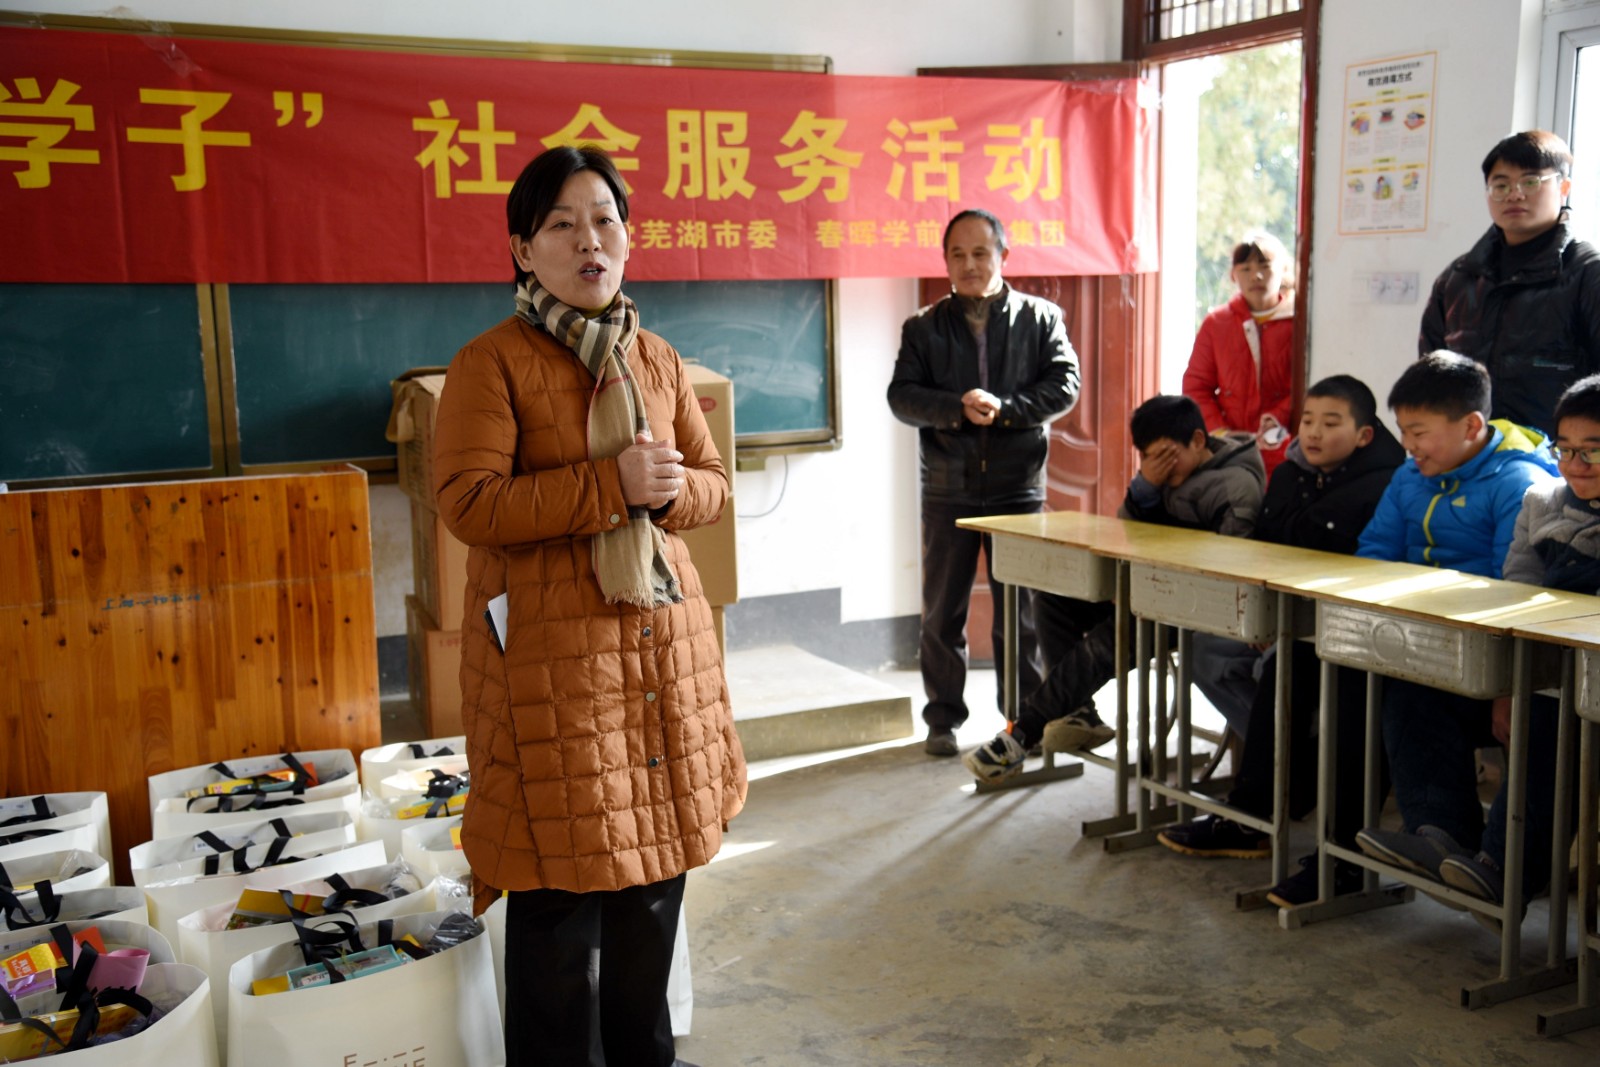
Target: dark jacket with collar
[(1032, 369), (1537, 331), (1308, 508)]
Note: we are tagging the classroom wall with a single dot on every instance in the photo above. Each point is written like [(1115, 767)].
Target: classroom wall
[(1480, 96), (804, 540)]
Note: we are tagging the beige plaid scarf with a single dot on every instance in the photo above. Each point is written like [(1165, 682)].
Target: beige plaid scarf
[(630, 561)]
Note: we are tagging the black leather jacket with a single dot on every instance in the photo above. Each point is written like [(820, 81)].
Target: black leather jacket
[(1032, 369), (1537, 331)]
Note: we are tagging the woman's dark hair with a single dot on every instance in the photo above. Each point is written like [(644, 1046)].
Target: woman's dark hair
[(536, 189), (1535, 150), (1270, 250), (1444, 383), (1165, 417), (995, 226), (1354, 392), (1581, 400)]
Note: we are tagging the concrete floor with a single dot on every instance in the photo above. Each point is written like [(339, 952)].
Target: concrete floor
[(871, 909)]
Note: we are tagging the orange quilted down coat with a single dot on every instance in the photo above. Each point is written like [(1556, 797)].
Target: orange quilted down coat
[(601, 742)]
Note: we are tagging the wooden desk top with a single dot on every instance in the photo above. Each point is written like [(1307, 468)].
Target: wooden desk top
[(1428, 594), (1582, 632)]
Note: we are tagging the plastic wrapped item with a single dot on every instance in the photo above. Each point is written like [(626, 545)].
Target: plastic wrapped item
[(70, 870)]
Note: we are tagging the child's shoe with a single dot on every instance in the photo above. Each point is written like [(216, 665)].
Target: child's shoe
[(1214, 837), (1478, 875), (997, 760), (1421, 852), (1078, 732), (1301, 886)]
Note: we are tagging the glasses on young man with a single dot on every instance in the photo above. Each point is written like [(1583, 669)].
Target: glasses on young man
[(1527, 185), (1590, 456)]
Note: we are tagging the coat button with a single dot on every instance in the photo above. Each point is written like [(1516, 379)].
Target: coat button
[(650, 696), (616, 518), (654, 761), (647, 631)]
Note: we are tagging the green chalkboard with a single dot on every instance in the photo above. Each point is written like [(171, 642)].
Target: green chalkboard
[(102, 381), (312, 363)]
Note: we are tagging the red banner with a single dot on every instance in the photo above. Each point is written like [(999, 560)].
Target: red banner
[(143, 159)]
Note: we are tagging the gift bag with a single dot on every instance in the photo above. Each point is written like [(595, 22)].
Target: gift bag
[(44, 905), (65, 871), (434, 793), (241, 847), (431, 850), (170, 901), (22, 817), (180, 1036), (439, 1009), (30, 842), (334, 768), (205, 940), (385, 760)]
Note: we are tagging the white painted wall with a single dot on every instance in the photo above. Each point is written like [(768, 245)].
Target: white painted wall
[(848, 519), (1486, 88)]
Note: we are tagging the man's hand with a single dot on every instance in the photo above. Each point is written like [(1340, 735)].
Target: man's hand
[(1500, 720), (980, 407), (651, 473), (1156, 462)]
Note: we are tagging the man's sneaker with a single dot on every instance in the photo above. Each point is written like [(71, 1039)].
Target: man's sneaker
[(941, 742), (997, 760), (1216, 837), (1081, 731), (1421, 852), (1478, 875), (1301, 886)]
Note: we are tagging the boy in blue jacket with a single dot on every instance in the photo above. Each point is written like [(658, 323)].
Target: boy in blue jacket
[(1454, 504)]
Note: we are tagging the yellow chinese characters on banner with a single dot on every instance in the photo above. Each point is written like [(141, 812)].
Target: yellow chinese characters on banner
[(729, 174)]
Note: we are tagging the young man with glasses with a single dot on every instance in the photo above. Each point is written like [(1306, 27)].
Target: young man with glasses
[(1525, 301)]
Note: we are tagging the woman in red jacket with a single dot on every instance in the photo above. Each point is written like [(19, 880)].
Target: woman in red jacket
[(1241, 370)]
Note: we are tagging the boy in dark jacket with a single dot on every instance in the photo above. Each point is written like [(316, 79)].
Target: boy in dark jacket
[(1454, 503), (1320, 497), (1186, 478)]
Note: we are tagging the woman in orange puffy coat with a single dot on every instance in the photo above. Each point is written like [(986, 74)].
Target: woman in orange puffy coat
[(568, 449), (1241, 371)]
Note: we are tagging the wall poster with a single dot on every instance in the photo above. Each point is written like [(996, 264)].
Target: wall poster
[(1387, 149)]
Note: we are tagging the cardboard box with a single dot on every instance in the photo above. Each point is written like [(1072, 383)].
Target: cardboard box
[(439, 566), (433, 660), (416, 401), (715, 546)]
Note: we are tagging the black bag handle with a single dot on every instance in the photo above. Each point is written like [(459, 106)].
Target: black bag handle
[(319, 943), (289, 760), (41, 812), (418, 753), (344, 895), (49, 907), (255, 801), (241, 857)]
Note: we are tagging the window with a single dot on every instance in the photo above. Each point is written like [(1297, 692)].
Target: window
[(1569, 104)]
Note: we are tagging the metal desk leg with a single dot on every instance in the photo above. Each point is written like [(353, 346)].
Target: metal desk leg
[(1586, 1012), (1372, 894), (1123, 820), (1513, 982), (1185, 734), (1011, 704), (1282, 691), (1151, 812)]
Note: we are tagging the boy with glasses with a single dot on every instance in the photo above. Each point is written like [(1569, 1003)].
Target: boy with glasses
[(1525, 301)]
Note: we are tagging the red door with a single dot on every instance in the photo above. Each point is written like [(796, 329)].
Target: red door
[(1111, 322)]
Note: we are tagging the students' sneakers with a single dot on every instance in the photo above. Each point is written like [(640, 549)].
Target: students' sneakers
[(1215, 837), (997, 760), (1478, 875), (1301, 886), (941, 742), (1080, 731), (1421, 852)]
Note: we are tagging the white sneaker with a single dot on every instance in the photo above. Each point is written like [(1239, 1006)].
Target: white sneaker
[(996, 760), (1079, 732)]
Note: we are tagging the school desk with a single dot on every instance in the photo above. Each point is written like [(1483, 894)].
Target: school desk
[(1579, 640), (1453, 631)]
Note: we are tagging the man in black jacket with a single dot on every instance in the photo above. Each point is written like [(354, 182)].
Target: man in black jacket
[(1525, 301), (980, 374)]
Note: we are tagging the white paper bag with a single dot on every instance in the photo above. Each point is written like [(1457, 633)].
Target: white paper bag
[(333, 766), (32, 910), (376, 823), (66, 871), (183, 1037), (379, 763), (170, 901), (70, 810), (204, 940), (116, 933), (439, 1010), (225, 849), (84, 838), (175, 817), (427, 847)]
